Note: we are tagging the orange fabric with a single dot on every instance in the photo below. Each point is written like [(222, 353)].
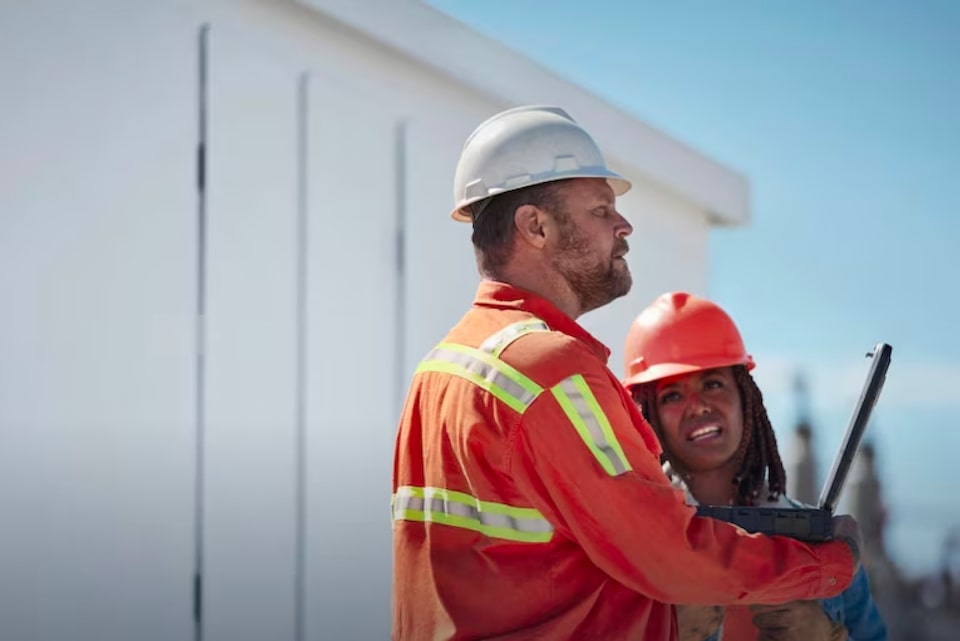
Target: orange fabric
[(738, 625), (680, 333), (623, 547)]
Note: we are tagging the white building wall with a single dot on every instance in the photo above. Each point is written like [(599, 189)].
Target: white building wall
[(204, 382), (97, 343)]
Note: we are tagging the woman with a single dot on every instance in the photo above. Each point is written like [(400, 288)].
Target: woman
[(689, 373)]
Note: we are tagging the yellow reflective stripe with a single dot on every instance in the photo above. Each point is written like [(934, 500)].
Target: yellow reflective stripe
[(581, 407), (456, 509), (499, 341), (483, 370)]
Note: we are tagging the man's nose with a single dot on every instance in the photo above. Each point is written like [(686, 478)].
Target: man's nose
[(624, 228)]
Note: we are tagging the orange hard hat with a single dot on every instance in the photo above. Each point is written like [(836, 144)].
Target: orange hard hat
[(681, 333)]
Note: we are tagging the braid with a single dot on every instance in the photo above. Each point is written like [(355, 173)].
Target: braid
[(645, 396), (757, 457), (760, 458)]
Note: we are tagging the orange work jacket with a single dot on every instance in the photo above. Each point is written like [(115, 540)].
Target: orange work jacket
[(529, 501)]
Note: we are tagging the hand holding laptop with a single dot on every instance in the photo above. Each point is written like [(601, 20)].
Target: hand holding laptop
[(846, 529)]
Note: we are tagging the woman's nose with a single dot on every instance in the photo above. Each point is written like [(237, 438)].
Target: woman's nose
[(696, 405)]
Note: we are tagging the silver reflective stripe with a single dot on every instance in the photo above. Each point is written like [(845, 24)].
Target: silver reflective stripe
[(584, 411), (488, 372), (499, 341), (456, 509)]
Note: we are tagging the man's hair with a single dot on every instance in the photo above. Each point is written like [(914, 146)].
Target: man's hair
[(493, 221), (758, 458)]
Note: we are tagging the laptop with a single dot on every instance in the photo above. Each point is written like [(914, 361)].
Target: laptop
[(816, 524)]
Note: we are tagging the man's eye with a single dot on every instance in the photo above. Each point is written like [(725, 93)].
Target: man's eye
[(713, 384)]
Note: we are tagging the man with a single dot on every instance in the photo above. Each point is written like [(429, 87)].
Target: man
[(529, 501)]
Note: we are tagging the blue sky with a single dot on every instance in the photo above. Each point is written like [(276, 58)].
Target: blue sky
[(845, 117)]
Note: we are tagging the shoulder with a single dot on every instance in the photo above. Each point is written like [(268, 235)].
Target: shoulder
[(549, 357), (677, 482), (786, 501)]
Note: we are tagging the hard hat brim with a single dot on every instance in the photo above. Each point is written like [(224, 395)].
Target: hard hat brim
[(618, 183), (666, 370)]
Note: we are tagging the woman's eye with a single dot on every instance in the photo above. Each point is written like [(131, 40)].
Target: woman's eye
[(713, 384), (669, 397)]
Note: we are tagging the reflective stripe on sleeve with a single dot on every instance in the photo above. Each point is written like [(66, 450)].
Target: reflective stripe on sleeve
[(581, 407), (456, 509), (484, 370), (499, 341)]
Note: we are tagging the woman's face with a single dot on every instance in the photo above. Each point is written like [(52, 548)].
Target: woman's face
[(702, 418)]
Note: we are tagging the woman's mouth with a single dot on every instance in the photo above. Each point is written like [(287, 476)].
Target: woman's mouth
[(704, 433)]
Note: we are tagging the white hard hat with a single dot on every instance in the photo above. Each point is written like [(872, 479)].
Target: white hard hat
[(526, 146)]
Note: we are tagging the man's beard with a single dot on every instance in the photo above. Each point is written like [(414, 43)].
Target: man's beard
[(595, 280)]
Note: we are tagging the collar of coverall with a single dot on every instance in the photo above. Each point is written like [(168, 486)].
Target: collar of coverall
[(503, 296)]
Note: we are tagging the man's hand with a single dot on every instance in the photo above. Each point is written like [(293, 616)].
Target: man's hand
[(698, 622), (846, 529), (796, 621)]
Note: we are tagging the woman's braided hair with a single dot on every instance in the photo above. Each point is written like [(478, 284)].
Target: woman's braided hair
[(758, 459)]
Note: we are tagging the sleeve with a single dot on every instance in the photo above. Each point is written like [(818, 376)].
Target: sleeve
[(580, 456), (860, 614)]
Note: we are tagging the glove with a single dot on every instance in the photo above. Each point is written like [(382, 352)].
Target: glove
[(698, 622), (796, 621)]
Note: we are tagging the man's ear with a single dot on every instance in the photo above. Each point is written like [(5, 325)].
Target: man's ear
[(529, 221)]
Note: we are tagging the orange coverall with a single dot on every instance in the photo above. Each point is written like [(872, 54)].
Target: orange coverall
[(529, 501)]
